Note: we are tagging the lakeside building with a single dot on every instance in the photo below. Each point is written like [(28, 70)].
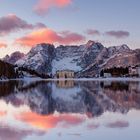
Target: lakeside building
[(64, 74)]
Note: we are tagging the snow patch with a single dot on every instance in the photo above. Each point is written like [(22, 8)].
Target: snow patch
[(65, 64)]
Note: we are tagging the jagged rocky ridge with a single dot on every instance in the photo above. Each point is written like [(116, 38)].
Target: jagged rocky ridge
[(14, 57), (86, 60)]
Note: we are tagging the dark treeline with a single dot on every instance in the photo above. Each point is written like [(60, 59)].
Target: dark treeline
[(115, 71), (7, 70), (11, 72), (116, 86), (31, 86), (7, 88)]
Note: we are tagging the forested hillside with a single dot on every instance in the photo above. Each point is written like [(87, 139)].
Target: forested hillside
[(7, 71)]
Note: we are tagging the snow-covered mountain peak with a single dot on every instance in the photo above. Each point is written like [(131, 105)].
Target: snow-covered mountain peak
[(42, 47), (93, 46), (119, 49), (125, 47), (39, 58), (90, 43)]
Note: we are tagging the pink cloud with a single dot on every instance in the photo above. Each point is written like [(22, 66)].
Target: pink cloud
[(3, 45), (14, 133), (46, 35), (3, 113), (48, 122), (13, 23), (43, 6)]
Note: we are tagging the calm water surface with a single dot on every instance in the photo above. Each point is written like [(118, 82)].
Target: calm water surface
[(69, 110)]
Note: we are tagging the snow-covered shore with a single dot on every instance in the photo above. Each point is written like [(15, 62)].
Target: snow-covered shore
[(98, 79), (76, 79)]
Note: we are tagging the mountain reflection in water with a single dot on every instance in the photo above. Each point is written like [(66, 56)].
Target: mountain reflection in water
[(67, 106)]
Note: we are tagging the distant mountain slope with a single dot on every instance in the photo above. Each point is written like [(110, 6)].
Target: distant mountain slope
[(39, 58), (13, 58), (116, 56)]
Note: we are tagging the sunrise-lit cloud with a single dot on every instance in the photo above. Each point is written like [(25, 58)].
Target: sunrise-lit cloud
[(50, 121), (43, 6), (7, 132), (19, 22), (3, 45), (3, 113), (118, 34), (13, 23), (47, 35)]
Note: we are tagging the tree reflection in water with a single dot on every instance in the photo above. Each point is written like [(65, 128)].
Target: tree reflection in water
[(92, 98)]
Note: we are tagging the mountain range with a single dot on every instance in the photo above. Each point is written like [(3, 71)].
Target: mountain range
[(85, 60)]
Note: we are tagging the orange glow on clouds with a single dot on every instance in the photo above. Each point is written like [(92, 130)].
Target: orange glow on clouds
[(3, 45), (51, 121), (3, 113), (43, 6), (46, 35)]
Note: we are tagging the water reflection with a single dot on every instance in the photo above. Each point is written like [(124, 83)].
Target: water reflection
[(66, 106), (65, 84), (7, 133)]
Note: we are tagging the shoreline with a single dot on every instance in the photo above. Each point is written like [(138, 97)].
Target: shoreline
[(74, 79)]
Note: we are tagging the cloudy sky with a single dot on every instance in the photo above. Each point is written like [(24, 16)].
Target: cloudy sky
[(26, 23)]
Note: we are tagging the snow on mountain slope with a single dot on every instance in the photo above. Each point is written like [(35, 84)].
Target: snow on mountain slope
[(76, 58), (65, 64), (44, 58), (90, 57), (123, 60), (116, 56), (118, 49), (67, 58), (39, 58)]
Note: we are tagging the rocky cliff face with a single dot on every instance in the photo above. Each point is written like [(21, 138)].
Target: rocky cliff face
[(86, 60), (39, 58), (115, 56), (14, 57), (45, 58), (124, 59)]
